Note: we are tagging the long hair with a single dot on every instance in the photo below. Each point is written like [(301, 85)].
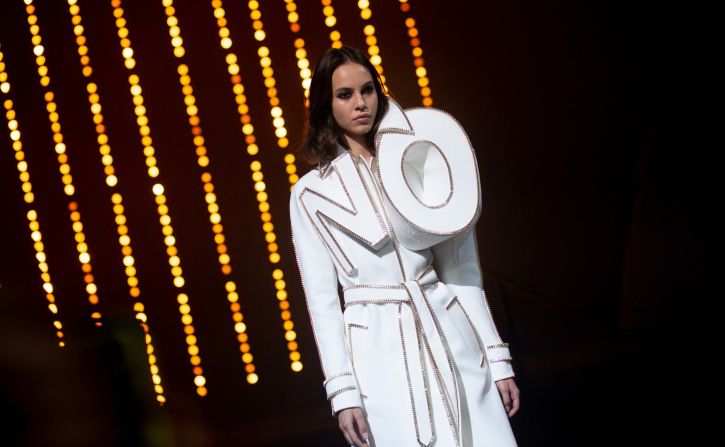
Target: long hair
[(321, 131)]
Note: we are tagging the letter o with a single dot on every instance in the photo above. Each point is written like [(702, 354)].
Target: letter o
[(429, 175)]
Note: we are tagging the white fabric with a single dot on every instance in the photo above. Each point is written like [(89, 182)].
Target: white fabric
[(416, 346), (428, 174)]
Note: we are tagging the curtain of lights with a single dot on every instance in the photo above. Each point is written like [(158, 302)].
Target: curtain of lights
[(260, 144)]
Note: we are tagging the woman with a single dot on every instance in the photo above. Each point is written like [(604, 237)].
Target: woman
[(400, 368)]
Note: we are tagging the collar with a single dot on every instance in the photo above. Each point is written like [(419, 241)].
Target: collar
[(326, 168)]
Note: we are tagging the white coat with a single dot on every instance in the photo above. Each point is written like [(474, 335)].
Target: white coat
[(416, 346)]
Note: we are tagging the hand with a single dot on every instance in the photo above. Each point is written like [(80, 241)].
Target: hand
[(509, 395), (353, 426)]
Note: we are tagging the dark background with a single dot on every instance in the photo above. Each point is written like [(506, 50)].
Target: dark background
[(596, 237)]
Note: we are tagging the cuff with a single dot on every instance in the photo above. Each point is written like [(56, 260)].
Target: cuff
[(499, 360), (342, 392)]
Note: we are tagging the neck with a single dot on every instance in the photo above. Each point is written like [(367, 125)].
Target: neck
[(358, 146)]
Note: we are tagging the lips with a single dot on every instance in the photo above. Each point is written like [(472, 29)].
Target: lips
[(362, 118)]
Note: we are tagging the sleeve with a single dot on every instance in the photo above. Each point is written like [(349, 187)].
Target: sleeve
[(457, 264), (319, 281)]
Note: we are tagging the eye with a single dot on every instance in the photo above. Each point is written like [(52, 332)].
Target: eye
[(343, 95), (368, 89)]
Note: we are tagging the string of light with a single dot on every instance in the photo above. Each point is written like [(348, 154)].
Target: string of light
[(51, 106), (259, 186), (215, 217), (300, 52), (213, 207), (160, 198), (29, 197), (330, 21), (370, 40), (420, 71), (124, 236), (276, 111)]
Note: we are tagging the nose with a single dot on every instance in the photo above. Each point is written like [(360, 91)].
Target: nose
[(360, 102)]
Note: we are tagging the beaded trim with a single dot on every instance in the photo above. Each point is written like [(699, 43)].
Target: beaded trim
[(336, 376), (345, 263), (498, 345), (481, 349), (503, 359), (340, 391)]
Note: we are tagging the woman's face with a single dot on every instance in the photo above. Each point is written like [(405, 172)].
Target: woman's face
[(354, 100)]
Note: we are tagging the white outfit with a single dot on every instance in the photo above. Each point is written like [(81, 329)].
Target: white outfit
[(416, 347)]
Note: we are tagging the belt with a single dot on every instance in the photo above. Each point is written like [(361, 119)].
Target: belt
[(423, 341)]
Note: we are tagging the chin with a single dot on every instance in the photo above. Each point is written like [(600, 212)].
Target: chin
[(363, 130)]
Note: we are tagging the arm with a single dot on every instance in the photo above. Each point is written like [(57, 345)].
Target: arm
[(457, 264), (319, 281)]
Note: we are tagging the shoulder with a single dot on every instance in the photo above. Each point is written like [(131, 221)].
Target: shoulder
[(319, 178), (311, 178), (310, 181)]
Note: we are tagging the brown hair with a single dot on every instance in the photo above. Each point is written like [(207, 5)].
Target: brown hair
[(321, 131)]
